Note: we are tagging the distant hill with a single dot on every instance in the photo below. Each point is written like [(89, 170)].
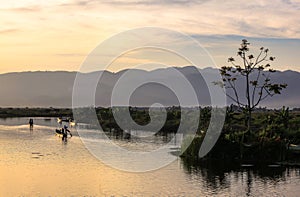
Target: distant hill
[(45, 89)]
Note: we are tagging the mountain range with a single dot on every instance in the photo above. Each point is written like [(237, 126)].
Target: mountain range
[(54, 89)]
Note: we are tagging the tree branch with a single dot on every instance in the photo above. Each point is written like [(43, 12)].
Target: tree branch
[(255, 86)]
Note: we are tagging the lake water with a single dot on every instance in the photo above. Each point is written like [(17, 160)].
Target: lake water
[(37, 163)]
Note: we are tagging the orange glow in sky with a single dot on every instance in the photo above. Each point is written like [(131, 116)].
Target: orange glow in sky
[(58, 35)]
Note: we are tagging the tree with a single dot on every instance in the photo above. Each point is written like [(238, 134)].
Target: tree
[(255, 71)]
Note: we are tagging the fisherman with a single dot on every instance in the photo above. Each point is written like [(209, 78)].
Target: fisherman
[(31, 122), (64, 132)]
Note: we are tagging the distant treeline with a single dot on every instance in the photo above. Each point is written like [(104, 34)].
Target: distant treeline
[(34, 112)]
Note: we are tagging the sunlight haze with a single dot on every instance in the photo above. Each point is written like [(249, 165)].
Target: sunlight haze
[(58, 35)]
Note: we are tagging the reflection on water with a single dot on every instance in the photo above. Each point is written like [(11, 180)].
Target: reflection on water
[(38, 163), (245, 180)]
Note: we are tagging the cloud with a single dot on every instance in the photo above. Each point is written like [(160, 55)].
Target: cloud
[(8, 31), (22, 9), (26, 9), (156, 2), (295, 3), (79, 25), (70, 54), (135, 2), (260, 18)]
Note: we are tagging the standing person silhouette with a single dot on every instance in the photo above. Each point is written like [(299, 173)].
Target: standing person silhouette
[(65, 131), (31, 123)]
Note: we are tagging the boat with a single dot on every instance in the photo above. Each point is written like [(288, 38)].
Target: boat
[(59, 133), (247, 145), (64, 119), (72, 123), (294, 147), (247, 165), (274, 166)]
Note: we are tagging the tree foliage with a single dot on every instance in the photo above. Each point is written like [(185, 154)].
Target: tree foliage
[(256, 71)]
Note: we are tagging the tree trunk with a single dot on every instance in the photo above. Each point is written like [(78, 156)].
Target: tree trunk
[(249, 121)]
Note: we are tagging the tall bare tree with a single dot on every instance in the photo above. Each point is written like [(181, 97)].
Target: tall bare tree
[(255, 71)]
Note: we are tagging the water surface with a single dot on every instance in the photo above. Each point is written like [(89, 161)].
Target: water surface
[(37, 163)]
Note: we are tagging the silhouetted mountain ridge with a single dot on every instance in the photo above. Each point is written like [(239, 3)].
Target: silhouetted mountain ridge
[(54, 88)]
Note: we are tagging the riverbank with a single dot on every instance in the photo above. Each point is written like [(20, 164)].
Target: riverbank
[(274, 152)]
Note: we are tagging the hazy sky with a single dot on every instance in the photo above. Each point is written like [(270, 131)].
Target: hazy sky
[(58, 35)]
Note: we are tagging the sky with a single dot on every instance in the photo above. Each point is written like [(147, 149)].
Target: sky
[(59, 35)]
